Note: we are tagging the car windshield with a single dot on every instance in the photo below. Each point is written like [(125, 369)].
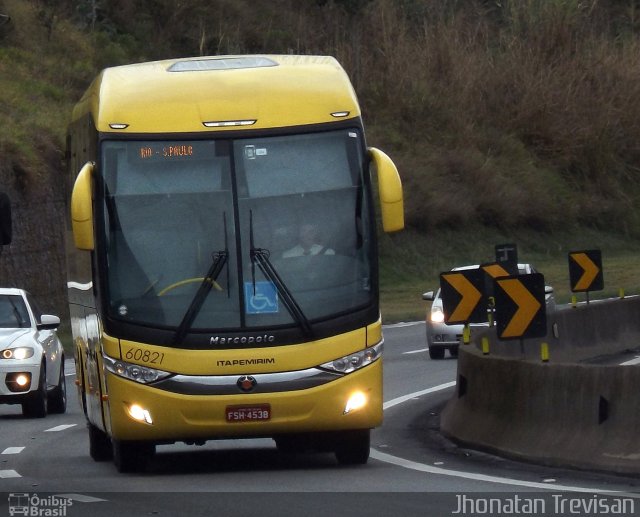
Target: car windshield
[(278, 226), (13, 312)]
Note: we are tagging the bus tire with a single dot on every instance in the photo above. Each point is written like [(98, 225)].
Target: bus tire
[(132, 456), (100, 448), (353, 447)]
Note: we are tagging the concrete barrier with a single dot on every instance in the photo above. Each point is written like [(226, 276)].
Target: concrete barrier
[(575, 410)]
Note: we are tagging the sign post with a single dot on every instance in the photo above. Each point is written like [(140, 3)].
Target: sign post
[(507, 257)]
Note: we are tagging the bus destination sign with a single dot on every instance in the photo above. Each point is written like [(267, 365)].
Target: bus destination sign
[(165, 152)]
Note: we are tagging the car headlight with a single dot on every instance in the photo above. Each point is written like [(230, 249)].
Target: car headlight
[(22, 352), (134, 372), (352, 362), (437, 316)]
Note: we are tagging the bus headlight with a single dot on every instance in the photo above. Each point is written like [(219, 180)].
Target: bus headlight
[(352, 362), (134, 372)]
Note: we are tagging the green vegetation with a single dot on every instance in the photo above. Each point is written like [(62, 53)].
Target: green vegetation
[(511, 121), (414, 263)]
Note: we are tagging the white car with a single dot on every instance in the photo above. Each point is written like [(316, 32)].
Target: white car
[(31, 356), (442, 337)]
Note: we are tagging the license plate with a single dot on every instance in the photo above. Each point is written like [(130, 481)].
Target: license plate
[(255, 413)]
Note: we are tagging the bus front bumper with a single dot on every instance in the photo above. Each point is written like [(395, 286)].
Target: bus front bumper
[(142, 412)]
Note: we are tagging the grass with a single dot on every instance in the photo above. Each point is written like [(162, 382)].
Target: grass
[(403, 301)]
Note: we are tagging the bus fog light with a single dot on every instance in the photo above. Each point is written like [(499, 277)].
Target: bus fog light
[(139, 413), (356, 401)]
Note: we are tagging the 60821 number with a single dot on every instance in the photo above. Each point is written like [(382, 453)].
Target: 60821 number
[(145, 356)]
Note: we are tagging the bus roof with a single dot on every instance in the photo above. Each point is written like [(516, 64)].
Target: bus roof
[(221, 92)]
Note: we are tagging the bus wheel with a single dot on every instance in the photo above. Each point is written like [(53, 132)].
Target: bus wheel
[(352, 447), (100, 448), (132, 456)]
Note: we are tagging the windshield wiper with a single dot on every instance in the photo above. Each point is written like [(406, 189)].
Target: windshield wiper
[(219, 259), (260, 256)]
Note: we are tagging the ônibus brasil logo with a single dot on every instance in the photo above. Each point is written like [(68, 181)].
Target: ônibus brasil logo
[(38, 506)]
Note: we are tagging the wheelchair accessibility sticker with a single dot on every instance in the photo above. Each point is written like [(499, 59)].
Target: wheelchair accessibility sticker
[(264, 300)]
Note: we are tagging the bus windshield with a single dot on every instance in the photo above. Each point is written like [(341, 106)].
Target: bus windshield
[(228, 234)]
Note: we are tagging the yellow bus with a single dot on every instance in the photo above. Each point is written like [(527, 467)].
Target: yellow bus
[(222, 257)]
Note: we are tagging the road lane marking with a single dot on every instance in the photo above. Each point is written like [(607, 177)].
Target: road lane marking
[(402, 324), (13, 450), (631, 362), (422, 467), (59, 428), (410, 396), (4, 474), (415, 351)]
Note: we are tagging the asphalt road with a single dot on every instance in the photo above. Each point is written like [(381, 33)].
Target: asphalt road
[(413, 470)]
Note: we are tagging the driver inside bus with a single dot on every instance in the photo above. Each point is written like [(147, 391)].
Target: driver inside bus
[(308, 243)]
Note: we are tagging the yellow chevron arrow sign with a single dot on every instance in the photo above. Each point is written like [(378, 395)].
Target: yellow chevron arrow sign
[(528, 307), (470, 297), (495, 270), (520, 310), (585, 270)]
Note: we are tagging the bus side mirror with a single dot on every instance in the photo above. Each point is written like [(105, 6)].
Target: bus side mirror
[(82, 210), (5, 219), (390, 190)]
